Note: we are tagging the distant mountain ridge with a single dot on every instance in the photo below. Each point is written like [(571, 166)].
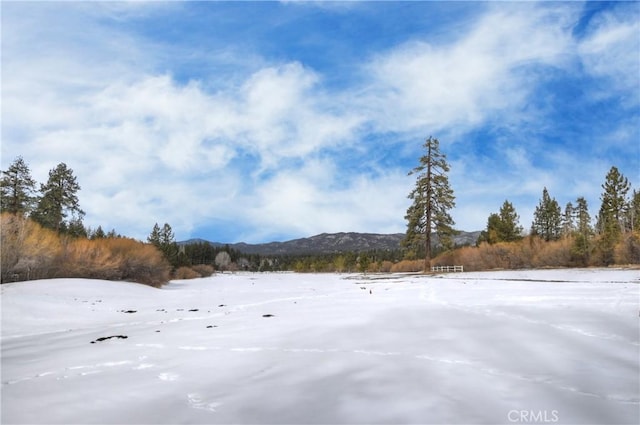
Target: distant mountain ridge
[(328, 243)]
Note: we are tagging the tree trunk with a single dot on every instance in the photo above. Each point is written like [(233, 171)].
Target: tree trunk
[(427, 236)]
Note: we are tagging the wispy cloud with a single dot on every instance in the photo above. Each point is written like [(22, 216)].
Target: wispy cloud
[(204, 129)]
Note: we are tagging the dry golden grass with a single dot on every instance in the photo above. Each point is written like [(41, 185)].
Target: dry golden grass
[(405, 266), (204, 270), (532, 252), (186, 273), (30, 251)]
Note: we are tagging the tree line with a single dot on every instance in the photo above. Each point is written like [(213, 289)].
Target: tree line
[(614, 239), (43, 234)]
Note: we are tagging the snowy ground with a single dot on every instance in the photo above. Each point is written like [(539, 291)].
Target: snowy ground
[(552, 346)]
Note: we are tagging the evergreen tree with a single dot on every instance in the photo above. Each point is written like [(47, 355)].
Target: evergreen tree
[(613, 212), (583, 225), (568, 220), (490, 235), (510, 229), (164, 240), (76, 228), (59, 199), (634, 212), (582, 242), (98, 233), (502, 227), (546, 218), (432, 199), (154, 236), (17, 189)]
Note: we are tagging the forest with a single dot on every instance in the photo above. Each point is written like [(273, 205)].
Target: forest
[(43, 235)]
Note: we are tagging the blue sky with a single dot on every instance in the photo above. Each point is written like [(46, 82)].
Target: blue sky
[(260, 121)]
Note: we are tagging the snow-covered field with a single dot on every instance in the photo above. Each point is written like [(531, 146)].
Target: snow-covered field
[(551, 346)]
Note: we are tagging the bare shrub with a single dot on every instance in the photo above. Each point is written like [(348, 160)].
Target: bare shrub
[(553, 253), (140, 262), (627, 251), (405, 266), (28, 251), (205, 270), (91, 259), (186, 273), (223, 260), (385, 266)]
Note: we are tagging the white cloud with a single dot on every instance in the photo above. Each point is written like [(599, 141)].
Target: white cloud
[(263, 150), (611, 49), (315, 199), (421, 86)]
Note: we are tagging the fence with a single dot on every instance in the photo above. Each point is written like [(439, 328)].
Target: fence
[(447, 269)]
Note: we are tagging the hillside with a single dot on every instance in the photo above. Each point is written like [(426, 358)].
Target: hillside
[(327, 243)]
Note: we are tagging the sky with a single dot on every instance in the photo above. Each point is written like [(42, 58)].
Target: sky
[(267, 121)]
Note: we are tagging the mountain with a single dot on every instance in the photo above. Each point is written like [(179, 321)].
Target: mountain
[(327, 243)]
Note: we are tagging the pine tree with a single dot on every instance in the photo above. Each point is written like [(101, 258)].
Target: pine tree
[(17, 189), (613, 212), (568, 220), (546, 218), (59, 199), (432, 199), (611, 218), (76, 229), (510, 229), (154, 237), (502, 227), (98, 233), (491, 234), (581, 248), (583, 219), (634, 212), (164, 240)]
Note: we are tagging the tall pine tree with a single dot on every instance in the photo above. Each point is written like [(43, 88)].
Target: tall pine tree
[(547, 218), (613, 213), (568, 220), (17, 189), (432, 199), (581, 249), (634, 212), (59, 199), (164, 240)]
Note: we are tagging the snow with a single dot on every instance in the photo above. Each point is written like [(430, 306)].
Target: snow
[(554, 346)]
